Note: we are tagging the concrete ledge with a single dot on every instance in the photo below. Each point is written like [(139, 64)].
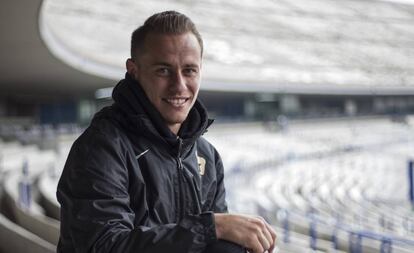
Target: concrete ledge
[(32, 219), (15, 239)]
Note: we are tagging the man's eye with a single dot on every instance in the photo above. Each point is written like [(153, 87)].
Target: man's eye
[(190, 72), (163, 71)]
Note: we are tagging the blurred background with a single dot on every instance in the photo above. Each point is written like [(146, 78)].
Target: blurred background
[(313, 101)]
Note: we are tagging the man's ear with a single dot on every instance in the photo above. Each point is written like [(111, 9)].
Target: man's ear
[(132, 68)]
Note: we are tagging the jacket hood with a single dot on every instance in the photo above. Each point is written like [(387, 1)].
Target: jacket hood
[(132, 100)]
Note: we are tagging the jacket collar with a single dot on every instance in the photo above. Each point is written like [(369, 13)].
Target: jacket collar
[(133, 102)]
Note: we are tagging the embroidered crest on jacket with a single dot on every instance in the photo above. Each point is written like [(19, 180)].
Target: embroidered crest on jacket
[(201, 164)]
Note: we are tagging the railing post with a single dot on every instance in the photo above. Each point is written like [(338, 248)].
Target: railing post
[(286, 227), (355, 242), (334, 238), (411, 181), (313, 232), (25, 186), (386, 245)]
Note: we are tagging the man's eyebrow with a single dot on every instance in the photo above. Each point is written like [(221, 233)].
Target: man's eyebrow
[(161, 64), (165, 64), (191, 65)]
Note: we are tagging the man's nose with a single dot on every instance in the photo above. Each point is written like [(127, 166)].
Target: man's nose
[(178, 81)]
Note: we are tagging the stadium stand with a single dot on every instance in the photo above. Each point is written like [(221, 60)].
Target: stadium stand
[(29, 215), (27, 224), (47, 185), (337, 185), (15, 239), (335, 194)]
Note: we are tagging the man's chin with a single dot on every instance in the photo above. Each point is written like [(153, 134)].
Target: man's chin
[(175, 120)]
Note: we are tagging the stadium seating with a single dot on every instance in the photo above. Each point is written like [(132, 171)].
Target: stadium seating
[(24, 168), (15, 239), (326, 187), (349, 176)]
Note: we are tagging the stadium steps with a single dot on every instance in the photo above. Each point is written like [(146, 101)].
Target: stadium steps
[(15, 239), (32, 218)]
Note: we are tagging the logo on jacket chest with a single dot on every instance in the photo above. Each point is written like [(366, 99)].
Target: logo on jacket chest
[(201, 165)]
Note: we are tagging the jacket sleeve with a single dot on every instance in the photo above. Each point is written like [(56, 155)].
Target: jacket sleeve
[(96, 215), (220, 206)]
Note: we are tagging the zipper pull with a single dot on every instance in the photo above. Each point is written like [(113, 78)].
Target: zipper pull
[(180, 163), (180, 147)]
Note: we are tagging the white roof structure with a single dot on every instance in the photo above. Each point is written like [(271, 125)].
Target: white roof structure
[(318, 46)]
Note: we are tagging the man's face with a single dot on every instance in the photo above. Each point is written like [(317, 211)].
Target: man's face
[(168, 70)]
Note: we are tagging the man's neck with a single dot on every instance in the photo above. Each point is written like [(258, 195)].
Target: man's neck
[(175, 128)]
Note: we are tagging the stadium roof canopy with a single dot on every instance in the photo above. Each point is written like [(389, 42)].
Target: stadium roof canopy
[(317, 46)]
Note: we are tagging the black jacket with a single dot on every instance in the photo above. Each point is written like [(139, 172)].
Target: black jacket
[(130, 185)]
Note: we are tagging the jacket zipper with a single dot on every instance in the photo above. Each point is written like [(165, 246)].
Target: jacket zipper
[(181, 195)]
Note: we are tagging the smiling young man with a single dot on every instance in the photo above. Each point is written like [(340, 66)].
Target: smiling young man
[(168, 70), (142, 178)]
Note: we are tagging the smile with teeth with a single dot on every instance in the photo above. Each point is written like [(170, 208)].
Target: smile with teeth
[(176, 102)]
